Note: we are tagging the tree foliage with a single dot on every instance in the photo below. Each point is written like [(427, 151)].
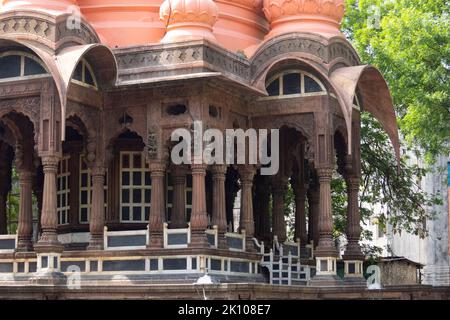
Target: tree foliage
[(409, 41)]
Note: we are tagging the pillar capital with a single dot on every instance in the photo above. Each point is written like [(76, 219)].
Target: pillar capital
[(98, 170), (219, 170), (50, 163), (353, 182), (247, 173), (157, 167), (178, 171), (199, 168), (26, 176), (324, 174), (279, 185)]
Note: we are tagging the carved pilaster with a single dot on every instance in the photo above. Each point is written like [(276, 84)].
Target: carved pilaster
[(158, 208), (49, 219), (313, 214), (279, 188), (247, 222), (199, 217), (326, 246), (219, 215), (178, 218), (25, 226), (97, 217), (300, 214), (353, 249), (5, 186)]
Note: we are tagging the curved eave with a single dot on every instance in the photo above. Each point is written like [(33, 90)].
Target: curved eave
[(375, 95), (100, 58), (47, 59)]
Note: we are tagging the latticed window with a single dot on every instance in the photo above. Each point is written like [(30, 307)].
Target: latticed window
[(294, 83), (135, 187), (63, 190), (169, 196), (16, 64), (85, 198)]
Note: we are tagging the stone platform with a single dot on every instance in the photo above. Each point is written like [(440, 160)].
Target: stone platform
[(120, 289)]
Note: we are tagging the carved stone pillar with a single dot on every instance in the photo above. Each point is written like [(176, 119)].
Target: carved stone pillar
[(300, 214), (158, 207), (353, 256), (25, 226), (178, 218), (247, 222), (4, 190), (199, 217), (219, 215), (48, 248), (313, 214), (3, 221), (279, 188), (326, 251), (97, 217), (261, 212), (49, 217)]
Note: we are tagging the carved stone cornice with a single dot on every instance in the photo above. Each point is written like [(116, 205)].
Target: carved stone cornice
[(52, 31), (193, 56)]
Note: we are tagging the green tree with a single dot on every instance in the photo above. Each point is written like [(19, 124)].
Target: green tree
[(409, 41)]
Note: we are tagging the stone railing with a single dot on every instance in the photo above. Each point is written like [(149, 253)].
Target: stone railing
[(176, 238), (236, 241), (8, 243), (213, 236), (125, 240)]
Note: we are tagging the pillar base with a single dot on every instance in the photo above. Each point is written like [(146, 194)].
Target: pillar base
[(48, 268), (96, 243), (250, 245), (222, 241), (353, 272), (199, 239), (24, 245), (156, 240), (49, 242)]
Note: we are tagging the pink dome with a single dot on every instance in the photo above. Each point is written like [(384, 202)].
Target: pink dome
[(188, 19), (122, 23), (318, 16), (53, 7), (241, 24)]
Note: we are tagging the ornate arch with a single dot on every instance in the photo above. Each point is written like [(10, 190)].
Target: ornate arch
[(28, 107)]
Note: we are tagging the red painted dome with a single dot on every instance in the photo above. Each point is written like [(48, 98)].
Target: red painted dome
[(124, 23), (317, 16), (49, 6)]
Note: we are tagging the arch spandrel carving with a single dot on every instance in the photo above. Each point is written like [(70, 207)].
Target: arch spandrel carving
[(316, 47)]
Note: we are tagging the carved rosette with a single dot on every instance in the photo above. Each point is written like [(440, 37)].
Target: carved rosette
[(188, 19), (320, 16)]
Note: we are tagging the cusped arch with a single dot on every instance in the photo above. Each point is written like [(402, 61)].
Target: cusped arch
[(88, 126), (375, 94)]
